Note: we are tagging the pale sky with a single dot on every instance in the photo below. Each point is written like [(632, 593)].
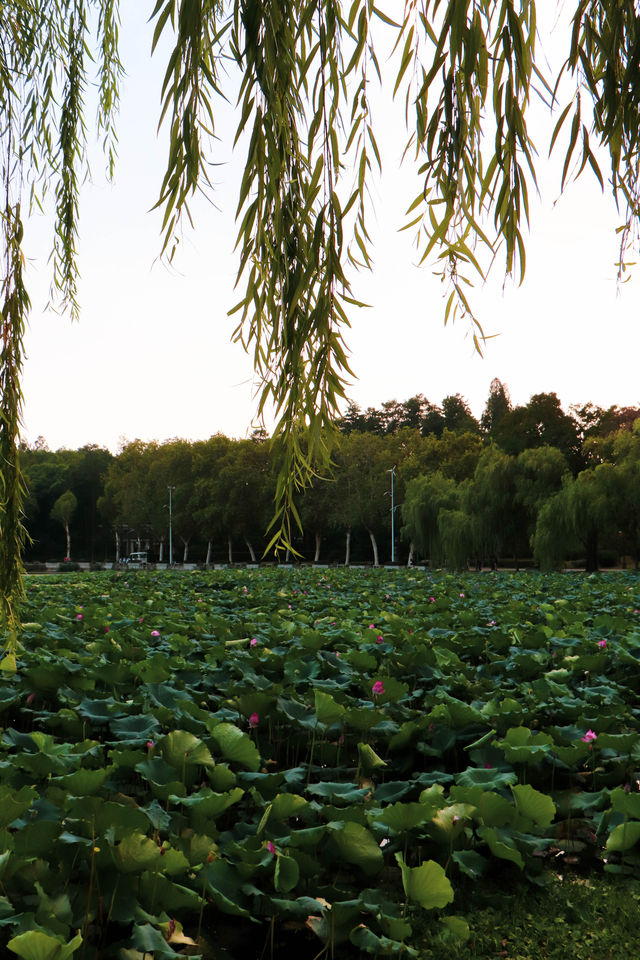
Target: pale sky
[(151, 357)]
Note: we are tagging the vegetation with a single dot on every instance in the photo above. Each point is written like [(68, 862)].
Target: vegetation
[(464, 491), (360, 762)]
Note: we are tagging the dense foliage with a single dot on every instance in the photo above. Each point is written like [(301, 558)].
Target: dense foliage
[(526, 481), (307, 755)]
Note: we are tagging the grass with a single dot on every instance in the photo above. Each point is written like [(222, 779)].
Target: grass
[(570, 917)]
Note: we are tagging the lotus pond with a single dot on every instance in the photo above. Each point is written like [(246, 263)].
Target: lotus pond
[(273, 762)]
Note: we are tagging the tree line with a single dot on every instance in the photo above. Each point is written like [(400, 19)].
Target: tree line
[(519, 483)]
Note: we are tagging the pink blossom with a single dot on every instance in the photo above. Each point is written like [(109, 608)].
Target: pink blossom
[(106, 629), (254, 720), (31, 698), (372, 626), (254, 642), (380, 638), (377, 688), (271, 847), (150, 744), (155, 633), (487, 766), (589, 736), (79, 616), (140, 619), (462, 594), (602, 644), (432, 599)]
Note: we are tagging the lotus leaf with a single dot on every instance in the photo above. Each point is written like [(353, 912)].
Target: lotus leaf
[(357, 845), (427, 884)]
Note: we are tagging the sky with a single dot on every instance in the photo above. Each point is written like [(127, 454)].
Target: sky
[(151, 356)]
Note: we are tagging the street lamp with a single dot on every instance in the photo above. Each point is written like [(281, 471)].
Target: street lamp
[(170, 489)]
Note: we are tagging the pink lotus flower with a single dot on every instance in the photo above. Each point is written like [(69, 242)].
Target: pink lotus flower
[(155, 633), (150, 744), (79, 616), (380, 638), (271, 847), (589, 736), (31, 698), (432, 599), (372, 626), (254, 720), (377, 688), (602, 644), (253, 642)]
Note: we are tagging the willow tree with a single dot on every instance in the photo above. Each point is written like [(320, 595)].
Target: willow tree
[(45, 65), (466, 72)]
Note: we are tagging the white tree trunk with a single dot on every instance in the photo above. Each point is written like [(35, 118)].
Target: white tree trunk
[(117, 547), (316, 557), (208, 558), (410, 557), (251, 551), (185, 552), (230, 547), (374, 547), (161, 553), (66, 530), (287, 555), (347, 548)]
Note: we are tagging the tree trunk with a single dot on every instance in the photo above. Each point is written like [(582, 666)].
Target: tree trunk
[(374, 547), (347, 548), (287, 555), (117, 547), (230, 548), (316, 557), (208, 557), (251, 551), (161, 552), (68, 534), (410, 557), (185, 552)]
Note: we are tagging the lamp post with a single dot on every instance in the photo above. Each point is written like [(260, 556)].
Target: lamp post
[(171, 489)]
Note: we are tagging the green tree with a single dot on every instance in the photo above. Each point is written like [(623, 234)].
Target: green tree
[(425, 498), (62, 511)]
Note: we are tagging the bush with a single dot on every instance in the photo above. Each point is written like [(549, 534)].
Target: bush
[(68, 566), (36, 566)]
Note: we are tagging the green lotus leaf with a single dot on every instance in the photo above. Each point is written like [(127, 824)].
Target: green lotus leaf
[(626, 803), (182, 749), (471, 863), (85, 783), (357, 845), (135, 728), (136, 853), (338, 792), (148, 940), (365, 939), (401, 817), (327, 709), (236, 746), (533, 805), (36, 945), (624, 836), (287, 805), (456, 930), (369, 759), (427, 884), (14, 803), (287, 873), (488, 779), (501, 845), (157, 889)]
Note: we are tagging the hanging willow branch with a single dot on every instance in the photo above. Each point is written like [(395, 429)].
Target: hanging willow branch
[(43, 75)]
